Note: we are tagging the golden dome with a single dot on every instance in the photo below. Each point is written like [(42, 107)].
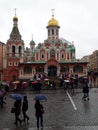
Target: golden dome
[(53, 22), (15, 18)]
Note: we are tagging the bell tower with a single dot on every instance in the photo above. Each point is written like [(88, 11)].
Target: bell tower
[(53, 28), (14, 52), (15, 45)]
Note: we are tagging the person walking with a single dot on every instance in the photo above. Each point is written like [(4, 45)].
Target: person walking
[(39, 110), (17, 105), (25, 108), (86, 91)]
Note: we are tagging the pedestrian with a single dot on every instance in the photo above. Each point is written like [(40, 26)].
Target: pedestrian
[(2, 101), (25, 108), (39, 110), (17, 105), (85, 91)]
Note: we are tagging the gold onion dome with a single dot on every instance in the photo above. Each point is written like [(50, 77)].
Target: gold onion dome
[(53, 22), (15, 18)]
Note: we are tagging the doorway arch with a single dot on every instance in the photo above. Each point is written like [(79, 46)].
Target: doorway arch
[(52, 70)]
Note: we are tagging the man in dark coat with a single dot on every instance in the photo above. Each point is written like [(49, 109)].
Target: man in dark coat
[(25, 108), (39, 113), (17, 105), (86, 91)]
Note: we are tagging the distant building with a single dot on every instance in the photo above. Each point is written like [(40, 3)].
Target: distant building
[(85, 58), (53, 57), (2, 55), (93, 64)]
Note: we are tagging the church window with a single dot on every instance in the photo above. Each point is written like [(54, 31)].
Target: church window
[(78, 69), (42, 56), (48, 32), (57, 55), (8, 49), (40, 69), (65, 69), (27, 70), (20, 49), (62, 56), (15, 63), (52, 54), (13, 49), (52, 31), (10, 64)]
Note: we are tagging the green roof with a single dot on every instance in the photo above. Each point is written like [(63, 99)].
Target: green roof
[(32, 42)]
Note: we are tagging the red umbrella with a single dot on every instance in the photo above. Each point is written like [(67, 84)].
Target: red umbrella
[(35, 82)]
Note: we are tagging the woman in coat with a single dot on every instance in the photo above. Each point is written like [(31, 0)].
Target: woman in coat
[(25, 108), (39, 113), (17, 105)]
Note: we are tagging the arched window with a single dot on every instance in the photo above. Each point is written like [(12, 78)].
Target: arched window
[(65, 69), (27, 70), (52, 31), (78, 69), (62, 55), (20, 49), (13, 49), (42, 56), (39, 69), (52, 54), (48, 32)]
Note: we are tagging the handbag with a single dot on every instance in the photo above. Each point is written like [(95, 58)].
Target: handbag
[(42, 110), (13, 110)]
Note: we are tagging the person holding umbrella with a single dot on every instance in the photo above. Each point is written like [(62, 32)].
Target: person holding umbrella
[(39, 110), (17, 105), (25, 108)]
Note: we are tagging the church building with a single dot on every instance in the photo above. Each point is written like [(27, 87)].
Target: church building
[(53, 57)]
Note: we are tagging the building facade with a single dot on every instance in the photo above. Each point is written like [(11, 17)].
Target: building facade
[(53, 57), (93, 63), (2, 55)]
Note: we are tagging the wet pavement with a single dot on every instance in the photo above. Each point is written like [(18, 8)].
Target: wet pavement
[(63, 111)]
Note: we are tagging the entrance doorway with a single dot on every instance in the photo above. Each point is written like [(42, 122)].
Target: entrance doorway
[(52, 71)]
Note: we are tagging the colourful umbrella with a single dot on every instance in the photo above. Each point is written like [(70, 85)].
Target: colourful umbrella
[(41, 97), (16, 96), (35, 82)]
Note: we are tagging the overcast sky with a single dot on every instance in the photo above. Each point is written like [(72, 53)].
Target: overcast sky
[(78, 20)]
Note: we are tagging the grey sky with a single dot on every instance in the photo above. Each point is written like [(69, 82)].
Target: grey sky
[(78, 20)]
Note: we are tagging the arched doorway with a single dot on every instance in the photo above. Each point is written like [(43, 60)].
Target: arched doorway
[(52, 71)]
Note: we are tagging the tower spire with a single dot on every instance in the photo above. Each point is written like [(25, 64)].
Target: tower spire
[(15, 11), (52, 12), (15, 19)]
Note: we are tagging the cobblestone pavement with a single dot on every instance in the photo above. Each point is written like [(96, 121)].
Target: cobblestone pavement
[(63, 111)]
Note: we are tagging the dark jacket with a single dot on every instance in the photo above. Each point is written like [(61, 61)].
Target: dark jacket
[(85, 88), (38, 109), (17, 105), (25, 105)]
